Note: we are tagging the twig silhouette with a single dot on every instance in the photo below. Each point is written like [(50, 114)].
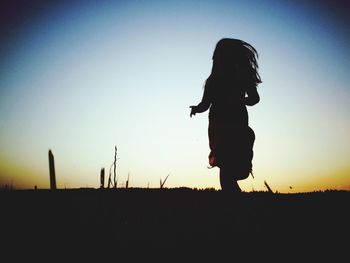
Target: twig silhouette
[(268, 187), (115, 167), (163, 182)]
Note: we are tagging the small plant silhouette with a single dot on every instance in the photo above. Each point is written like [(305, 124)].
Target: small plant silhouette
[(127, 181)]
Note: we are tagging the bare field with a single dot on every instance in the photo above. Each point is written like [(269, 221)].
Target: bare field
[(133, 222)]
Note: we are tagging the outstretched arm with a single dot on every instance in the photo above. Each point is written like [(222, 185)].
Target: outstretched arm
[(252, 97), (203, 105)]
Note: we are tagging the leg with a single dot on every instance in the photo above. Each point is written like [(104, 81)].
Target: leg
[(228, 184)]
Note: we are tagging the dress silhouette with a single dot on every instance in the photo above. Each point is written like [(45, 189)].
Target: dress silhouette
[(231, 86)]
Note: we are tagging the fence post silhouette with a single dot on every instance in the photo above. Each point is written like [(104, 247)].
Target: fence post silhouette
[(109, 181), (52, 171), (102, 178)]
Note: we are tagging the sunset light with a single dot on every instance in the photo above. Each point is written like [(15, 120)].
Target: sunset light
[(82, 77)]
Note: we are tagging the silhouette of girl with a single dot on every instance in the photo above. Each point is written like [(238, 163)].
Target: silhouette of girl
[(231, 86)]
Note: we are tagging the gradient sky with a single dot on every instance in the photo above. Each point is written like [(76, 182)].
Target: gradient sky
[(79, 77)]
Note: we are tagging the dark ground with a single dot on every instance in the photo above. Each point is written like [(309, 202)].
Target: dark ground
[(174, 223)]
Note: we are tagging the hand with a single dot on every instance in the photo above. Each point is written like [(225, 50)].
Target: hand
[(193, 111)]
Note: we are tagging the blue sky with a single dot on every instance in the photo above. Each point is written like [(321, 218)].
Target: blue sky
[(81, 77)]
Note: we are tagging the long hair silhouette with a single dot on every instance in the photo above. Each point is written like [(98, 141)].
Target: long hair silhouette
[(235, 57)]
